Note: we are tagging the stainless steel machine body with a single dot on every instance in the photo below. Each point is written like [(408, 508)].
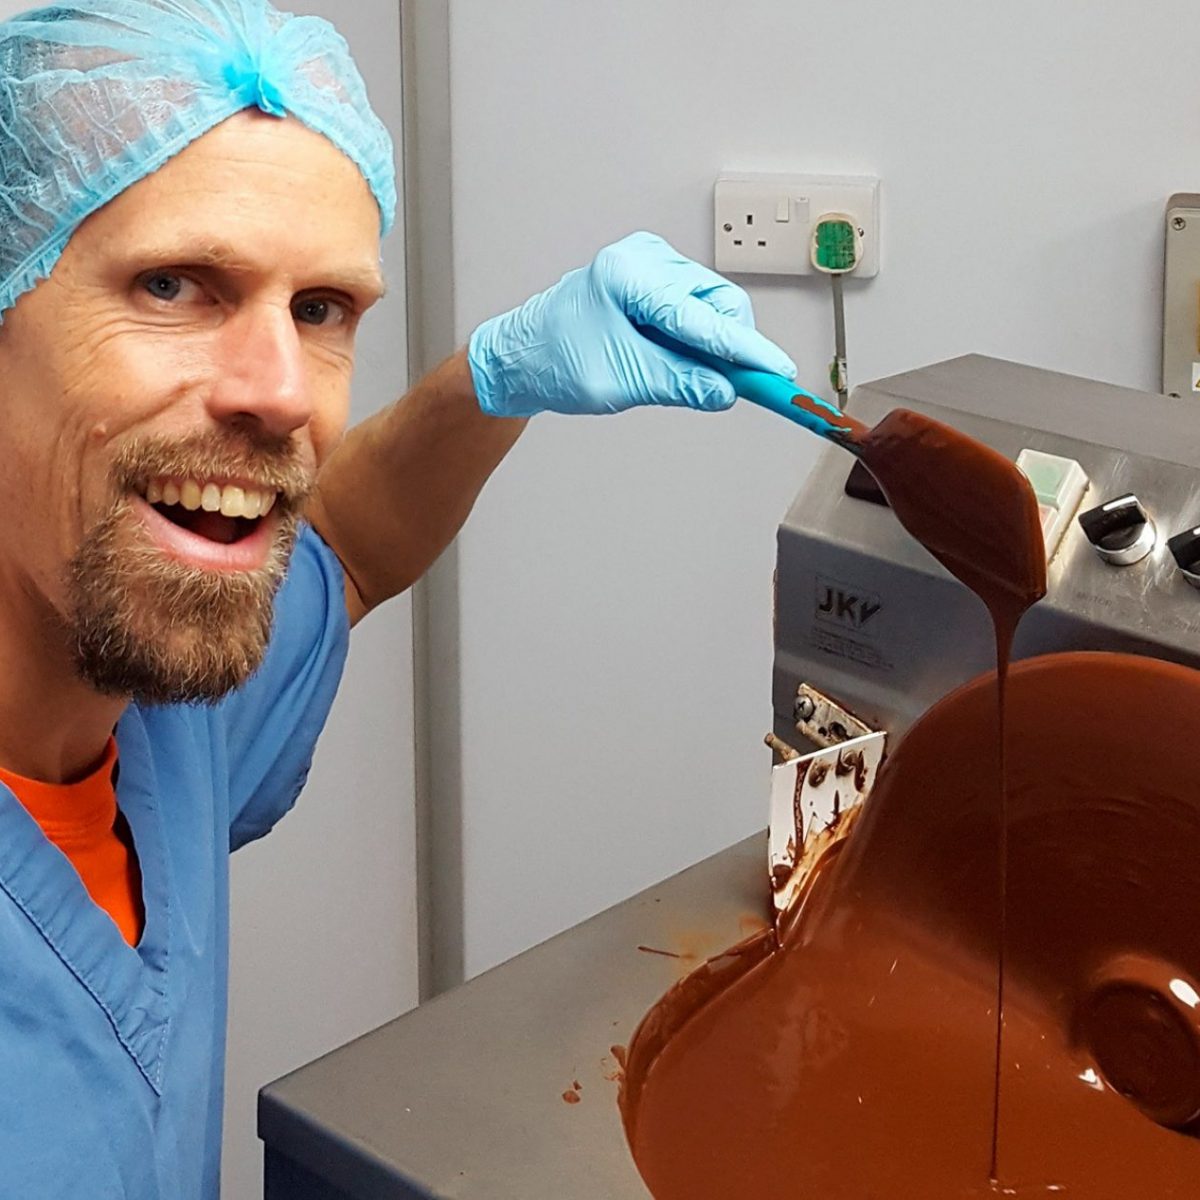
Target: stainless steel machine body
[(864, 614), (464, 1098)]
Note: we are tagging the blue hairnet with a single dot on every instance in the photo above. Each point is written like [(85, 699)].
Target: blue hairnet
[(98, 94)]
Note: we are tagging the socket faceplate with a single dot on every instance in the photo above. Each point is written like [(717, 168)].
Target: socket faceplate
[(764, 222)]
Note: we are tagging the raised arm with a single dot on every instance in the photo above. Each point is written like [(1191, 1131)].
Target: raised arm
[(402, 484), (399, 487)]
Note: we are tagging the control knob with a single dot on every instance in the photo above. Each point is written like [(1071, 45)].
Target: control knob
[(1185, 548), (1121, 531)]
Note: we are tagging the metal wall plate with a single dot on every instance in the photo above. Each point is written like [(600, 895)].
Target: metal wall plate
[(1181, 297)]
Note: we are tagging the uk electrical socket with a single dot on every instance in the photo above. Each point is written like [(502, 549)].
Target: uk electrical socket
[(764, 223)]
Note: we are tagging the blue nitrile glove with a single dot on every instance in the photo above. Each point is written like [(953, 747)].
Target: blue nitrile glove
[(576, 348)]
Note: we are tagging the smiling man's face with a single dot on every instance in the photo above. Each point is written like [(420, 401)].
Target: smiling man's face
[(166, 398)]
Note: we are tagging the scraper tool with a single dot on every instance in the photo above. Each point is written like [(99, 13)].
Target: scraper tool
[(774, 392), (917, 463)]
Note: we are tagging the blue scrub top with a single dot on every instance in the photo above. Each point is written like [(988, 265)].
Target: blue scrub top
[(112, 1058)]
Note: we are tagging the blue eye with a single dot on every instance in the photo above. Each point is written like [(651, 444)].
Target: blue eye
[(319, 310), (162, 285)]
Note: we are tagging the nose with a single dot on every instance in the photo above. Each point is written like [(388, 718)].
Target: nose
[(261, 372)]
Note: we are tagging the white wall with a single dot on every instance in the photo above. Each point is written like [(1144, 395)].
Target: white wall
[(615, 585), (324, 909)]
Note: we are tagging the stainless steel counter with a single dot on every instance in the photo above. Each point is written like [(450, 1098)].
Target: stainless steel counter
[(463, 1098)]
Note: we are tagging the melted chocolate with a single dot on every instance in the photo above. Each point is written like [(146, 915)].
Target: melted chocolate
[(966, 504), (855, 1055)]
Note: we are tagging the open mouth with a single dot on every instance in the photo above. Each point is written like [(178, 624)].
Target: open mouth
[(222, 513)]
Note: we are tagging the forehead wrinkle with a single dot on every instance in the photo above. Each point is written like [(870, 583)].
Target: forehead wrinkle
[(219, 255)]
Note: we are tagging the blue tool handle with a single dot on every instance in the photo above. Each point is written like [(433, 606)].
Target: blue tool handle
[(764, 389)]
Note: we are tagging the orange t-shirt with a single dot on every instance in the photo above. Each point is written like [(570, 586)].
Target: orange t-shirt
[(82, 820)]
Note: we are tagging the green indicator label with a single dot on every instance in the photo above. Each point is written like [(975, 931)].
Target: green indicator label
[(835, 246)]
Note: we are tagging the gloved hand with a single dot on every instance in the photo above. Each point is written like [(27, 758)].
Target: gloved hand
[(576, 348)]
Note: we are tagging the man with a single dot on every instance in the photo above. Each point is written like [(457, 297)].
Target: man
[(192, 196)]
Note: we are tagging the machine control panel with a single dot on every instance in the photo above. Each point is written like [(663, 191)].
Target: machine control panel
[(1185, 549), (1121, 530), (1059, 484)]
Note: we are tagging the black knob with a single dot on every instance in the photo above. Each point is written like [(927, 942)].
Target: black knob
[(1120, 530), (1185, 549), (861, 485)]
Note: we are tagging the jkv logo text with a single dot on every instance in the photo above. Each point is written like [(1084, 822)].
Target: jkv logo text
[(845, 605)]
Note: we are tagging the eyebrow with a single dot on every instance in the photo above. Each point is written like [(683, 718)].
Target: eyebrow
[(222, 256)]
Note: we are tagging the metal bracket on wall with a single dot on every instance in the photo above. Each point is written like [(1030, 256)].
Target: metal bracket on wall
[(1181, 297)]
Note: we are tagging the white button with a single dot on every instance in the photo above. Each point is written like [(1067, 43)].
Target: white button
[(783, 210)]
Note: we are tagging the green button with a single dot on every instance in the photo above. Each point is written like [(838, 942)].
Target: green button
[(1047, 476)]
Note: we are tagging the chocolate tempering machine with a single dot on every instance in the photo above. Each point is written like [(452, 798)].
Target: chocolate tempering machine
[(463, 1098)]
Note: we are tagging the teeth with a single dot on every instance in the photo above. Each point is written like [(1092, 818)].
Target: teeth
[(233, 502), (190, 495), (229, 501)]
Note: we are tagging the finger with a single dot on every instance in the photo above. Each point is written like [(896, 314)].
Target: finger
[(696, 323), (692, 278), (646, 273), (668, 378), (677, 302), (729, 299), (708, 391)]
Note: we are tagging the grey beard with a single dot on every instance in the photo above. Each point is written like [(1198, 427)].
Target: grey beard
[(148, 627)]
